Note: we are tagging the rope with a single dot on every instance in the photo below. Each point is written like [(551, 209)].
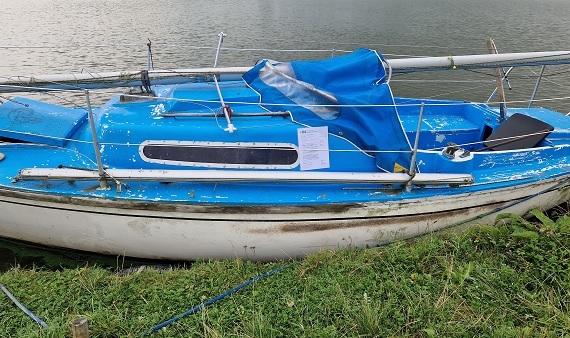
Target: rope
[(458, 103), (358, 44), (445, 81), (130, 144), (217, 298), (14, 101), (200, 102), (23, 308), (441, 104), (164, 44), (72, 47), (203, 102)]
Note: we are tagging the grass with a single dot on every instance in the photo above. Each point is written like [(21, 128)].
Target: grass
[(510, 279)]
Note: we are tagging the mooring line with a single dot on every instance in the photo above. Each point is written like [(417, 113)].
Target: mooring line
[(23, 308), (217, 298)]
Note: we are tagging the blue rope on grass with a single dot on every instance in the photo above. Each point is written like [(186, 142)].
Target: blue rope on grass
[(217, 298), (23, 308)]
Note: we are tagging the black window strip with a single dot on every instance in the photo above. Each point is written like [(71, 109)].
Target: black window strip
[(222, 155)]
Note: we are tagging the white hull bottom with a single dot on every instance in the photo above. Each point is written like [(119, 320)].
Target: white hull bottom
[(183, 232)]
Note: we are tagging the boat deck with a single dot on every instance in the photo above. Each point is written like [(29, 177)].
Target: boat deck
[(39, 122)]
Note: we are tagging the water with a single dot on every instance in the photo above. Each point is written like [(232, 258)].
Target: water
[(71, 36)]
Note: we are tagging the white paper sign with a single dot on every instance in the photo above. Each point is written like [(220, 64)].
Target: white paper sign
[(313, 148)]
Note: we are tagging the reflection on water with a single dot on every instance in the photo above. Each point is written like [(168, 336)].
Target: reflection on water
[(72, 36)]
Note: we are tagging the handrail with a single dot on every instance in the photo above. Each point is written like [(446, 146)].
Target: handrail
[(71, 174), (268, 113)]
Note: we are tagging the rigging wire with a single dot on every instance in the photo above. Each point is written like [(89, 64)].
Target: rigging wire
[(199, 102), (94, 75), (242, 38)]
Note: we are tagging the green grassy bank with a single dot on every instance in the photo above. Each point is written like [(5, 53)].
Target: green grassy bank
[(511, 279)]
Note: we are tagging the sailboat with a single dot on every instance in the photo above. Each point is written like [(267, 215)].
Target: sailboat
[(269, 162)]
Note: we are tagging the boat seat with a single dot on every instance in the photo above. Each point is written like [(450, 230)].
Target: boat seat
[(516, 133), (438, 130)]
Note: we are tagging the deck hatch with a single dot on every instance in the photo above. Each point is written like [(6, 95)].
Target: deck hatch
[(221, 154)]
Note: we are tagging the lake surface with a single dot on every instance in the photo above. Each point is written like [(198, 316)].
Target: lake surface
[(72, 36)]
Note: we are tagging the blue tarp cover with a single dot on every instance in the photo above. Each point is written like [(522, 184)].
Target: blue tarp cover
[(349, 94)]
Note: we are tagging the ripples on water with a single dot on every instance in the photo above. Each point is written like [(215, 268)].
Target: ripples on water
[(111, 35), (71, 36), (117, 32)]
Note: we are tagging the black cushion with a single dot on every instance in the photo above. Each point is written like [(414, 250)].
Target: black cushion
[(512, 133)]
